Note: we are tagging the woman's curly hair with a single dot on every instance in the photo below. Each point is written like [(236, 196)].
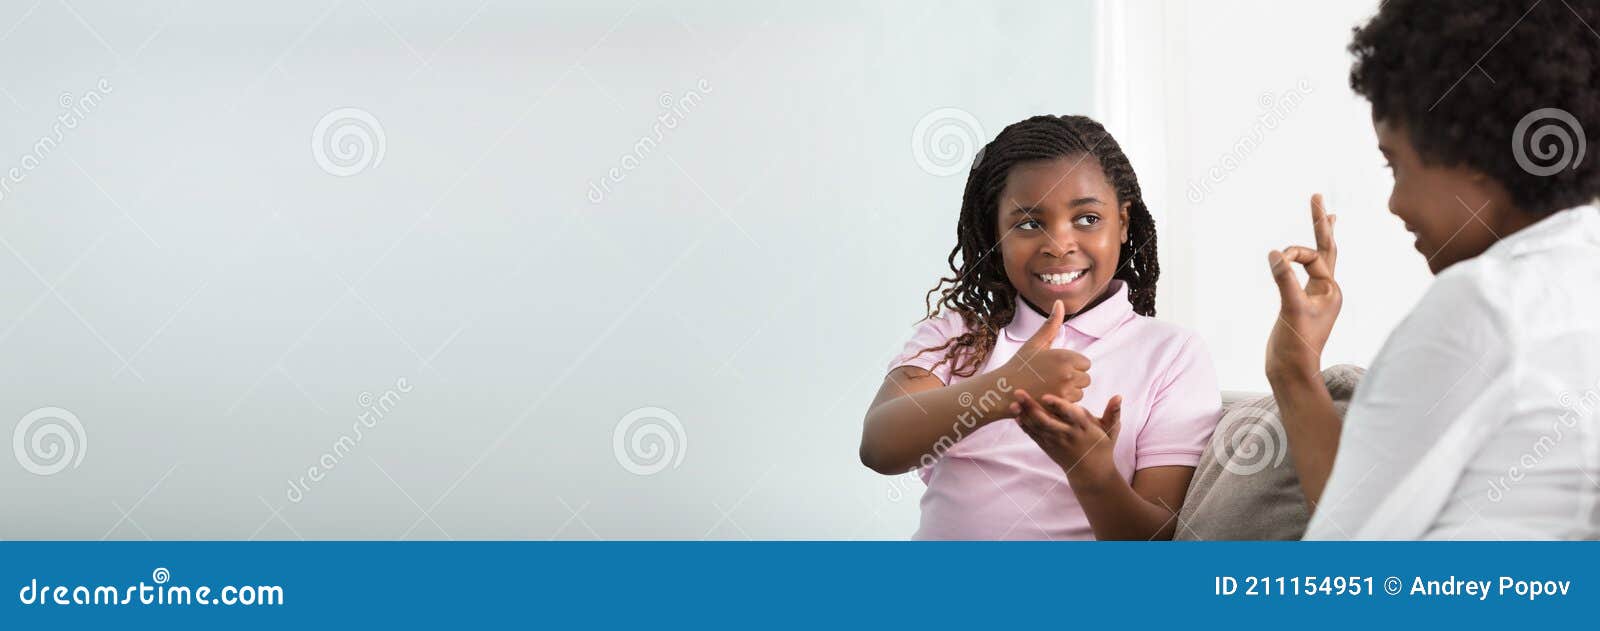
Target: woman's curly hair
[(1461, 77), (979, 290)]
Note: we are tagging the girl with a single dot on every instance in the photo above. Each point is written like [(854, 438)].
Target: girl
[(1054, 281)]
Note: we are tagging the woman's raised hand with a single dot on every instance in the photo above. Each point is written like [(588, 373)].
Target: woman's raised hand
[(1305, 315)]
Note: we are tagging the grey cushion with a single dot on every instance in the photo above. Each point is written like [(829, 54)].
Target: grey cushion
[(1245, 486)]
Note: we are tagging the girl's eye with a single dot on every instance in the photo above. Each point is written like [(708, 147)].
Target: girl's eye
[(1087, 220), (1030, 224)]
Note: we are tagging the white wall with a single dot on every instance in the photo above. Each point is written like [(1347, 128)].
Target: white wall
[(211, 304), (1193, 81), (221, 302)]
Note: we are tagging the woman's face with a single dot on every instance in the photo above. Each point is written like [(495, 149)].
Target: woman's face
[(1061, 231), (1455, 212)]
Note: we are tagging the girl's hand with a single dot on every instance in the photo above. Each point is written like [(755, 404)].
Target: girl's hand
[(1042, 369), (1305, 316), (1075, 439)]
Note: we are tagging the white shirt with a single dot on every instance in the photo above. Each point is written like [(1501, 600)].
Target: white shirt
[(1480, 417)]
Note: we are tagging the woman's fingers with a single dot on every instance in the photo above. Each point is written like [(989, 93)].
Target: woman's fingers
[(1289, 290), (1315, 263), (1322, 225)]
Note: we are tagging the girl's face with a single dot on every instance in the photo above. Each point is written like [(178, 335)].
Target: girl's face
[(1061, 231), (1455, 212)]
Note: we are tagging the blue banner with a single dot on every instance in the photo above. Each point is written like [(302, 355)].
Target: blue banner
[(53, 585)]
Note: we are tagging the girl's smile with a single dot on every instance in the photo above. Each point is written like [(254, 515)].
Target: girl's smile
[(1062, 279)]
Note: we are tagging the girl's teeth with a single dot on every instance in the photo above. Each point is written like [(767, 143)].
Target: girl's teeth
[(1061, 279)]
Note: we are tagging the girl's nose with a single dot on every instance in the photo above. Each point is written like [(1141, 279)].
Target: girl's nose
[(1060, 243)]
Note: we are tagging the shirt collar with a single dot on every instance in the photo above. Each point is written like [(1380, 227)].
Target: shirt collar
[(1579, 223), (1097, 322)]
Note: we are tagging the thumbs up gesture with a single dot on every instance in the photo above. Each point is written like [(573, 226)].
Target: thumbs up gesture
[(1040, 369)]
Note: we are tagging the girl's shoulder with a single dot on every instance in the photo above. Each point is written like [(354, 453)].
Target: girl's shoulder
[(1179, 355), (1157, 332), (937, 328), (946, 321), (928, 338)]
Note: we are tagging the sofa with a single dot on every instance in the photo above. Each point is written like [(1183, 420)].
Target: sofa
[(1245, 486)]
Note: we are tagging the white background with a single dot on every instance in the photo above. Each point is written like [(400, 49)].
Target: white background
[(182, 276), (1187, 85)]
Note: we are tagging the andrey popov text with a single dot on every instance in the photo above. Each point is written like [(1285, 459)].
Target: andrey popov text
[(1481, 589)]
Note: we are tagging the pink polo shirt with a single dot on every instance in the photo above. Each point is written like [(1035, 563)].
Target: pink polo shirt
[(996, 483)]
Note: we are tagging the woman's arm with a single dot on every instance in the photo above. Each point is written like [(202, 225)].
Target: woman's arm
[(1294, 353), (1311, 425)]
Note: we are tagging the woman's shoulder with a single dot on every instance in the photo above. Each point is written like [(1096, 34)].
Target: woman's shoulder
[(1469, 307), (1552, 256), (1530, 284), (1477, 290)]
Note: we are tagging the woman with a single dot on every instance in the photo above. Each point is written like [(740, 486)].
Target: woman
[(1478, 418)]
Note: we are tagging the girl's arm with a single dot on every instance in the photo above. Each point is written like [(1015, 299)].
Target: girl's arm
[(916, 415), (1146, 510), (1082, 444), (914, 412)]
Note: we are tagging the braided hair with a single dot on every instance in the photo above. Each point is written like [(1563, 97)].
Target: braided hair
[(979, 290)]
